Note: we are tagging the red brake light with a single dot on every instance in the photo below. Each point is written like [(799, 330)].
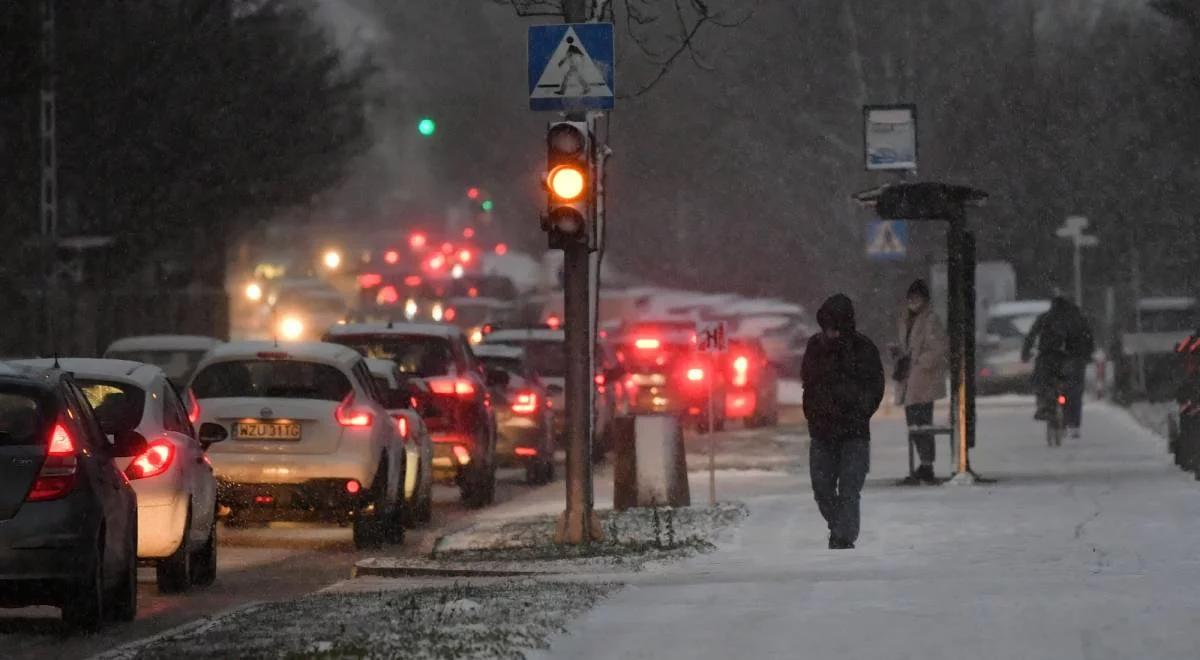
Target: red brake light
[(154, 461), (416, 241), (447, 247), (388, 295), (464, 256), (456, 386), (402, 426), (695, 374), (57, 476), (412, 280), (194, 405), (469, 232), (437, 262), (526, 403), (526, 452), (347, 415), (369, 280), (1062, 400), (553, 322), (450, 314), (391, 256), (501, 249), (741, 371), (647, 344)]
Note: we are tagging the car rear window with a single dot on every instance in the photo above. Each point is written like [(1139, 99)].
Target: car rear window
[(21, 416), (655, 360), (546, 358), (118, 406), (419, 355), (275, 379), (177, 365)]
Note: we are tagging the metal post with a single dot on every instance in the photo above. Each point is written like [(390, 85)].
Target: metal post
[(48, 199), (969, 369), (712, 436), (1136, 276), (577, 526), (959, 335)]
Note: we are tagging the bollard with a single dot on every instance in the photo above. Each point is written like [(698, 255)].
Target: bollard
[(649, 462)]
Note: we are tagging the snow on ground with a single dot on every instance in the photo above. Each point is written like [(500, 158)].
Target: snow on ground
[(1085, 551)]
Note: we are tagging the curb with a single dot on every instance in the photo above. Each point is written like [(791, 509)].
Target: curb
[(428, 571)]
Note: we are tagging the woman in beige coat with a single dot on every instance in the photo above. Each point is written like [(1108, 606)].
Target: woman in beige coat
[(922, 381)]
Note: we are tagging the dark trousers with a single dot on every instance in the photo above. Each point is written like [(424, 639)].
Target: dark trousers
[(1072, 376), (839, 469), (921, 414)]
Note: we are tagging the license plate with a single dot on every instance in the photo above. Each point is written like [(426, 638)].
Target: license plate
[(268, 431)]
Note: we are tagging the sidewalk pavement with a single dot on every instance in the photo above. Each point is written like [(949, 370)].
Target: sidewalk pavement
[(1087, 551)]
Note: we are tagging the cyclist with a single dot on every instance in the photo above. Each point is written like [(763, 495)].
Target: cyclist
[(1065, 344)]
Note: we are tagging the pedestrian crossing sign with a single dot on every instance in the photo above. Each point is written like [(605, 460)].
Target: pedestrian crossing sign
[(571, 66), (887, 239)]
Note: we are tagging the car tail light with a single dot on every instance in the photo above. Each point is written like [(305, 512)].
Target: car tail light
[(353, 487), (460, 387), (152, 462), (553, 322), (600, 382), (391, 256), (417, 241), (695, 374), (57, 476), (526, 403), (462, 454), (193, 409), (1062, 399), (347, 414), (450, 314), (412, 280), (402, 426), (369, 280), (525, 452), (388, 295), (741, 371), (647, 344)]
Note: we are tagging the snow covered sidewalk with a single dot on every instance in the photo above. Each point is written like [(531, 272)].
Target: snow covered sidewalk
[(1087, 551)]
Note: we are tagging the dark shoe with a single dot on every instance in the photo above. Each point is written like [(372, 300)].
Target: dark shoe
[(910, 480), (925, 475), (838, 544)]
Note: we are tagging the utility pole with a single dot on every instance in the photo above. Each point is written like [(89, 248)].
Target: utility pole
[(1072, 230), (578, 524), (48, 199)]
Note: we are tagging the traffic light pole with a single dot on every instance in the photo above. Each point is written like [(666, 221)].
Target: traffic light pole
[(578, 524)]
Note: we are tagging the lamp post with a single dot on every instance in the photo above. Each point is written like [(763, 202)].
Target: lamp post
[(1072, 230)]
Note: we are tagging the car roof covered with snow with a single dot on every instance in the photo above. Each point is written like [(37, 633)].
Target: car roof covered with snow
[(124, 371), (163, 343), (499, 351), (381, 367), (1018, 308), (308, 351), (1166, 303), (515, 335), (404, 328)]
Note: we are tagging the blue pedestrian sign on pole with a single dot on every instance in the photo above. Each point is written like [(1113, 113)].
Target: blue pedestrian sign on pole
[(571, 67), (887, 239)]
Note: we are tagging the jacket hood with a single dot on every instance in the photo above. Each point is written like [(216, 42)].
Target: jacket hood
[(836, 313)]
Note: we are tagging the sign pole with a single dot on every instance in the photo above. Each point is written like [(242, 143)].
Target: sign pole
[(712, 437)]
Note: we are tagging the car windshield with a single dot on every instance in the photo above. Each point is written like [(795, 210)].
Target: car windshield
[(419, 355), (275, 379), (118, 406), (1011, 327), (20, 417), (177, 365)]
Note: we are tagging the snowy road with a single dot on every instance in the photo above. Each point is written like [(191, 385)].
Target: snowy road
[(1087, 551)]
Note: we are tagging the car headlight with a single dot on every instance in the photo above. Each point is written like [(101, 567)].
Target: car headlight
[(291, 328), (254, 292), (410, 309), (437, 312)]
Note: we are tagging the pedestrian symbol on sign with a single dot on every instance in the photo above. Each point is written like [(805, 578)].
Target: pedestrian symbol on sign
[(887, 239)]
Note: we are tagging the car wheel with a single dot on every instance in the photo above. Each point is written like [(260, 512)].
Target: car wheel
[(174, 573), (385, 523), (84, 605), (123, 601), (204, 564)]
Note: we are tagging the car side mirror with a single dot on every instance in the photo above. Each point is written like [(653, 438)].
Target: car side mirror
[(127, 443), (497, 378), (211, 433)]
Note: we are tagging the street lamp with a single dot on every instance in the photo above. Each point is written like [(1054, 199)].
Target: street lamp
[(332, 259), (1072, 230)]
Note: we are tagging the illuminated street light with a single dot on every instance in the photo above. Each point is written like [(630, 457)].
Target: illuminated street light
[(254, 292), (332, 259)]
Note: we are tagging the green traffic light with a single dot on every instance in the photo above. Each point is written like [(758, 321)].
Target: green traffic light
[(487, 205), (426, 126)]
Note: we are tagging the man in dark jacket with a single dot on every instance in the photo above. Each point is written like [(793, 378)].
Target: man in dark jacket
[(1065, 345), (843, 385)]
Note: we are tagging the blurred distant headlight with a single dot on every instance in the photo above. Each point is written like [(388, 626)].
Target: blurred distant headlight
[(456, 272), (437, 313), (476, 336), (410, 309), (291, 328), (254, 292), (332, 259)]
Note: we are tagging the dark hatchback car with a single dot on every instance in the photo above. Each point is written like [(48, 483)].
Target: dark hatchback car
[(68, 515), (524, 415), (458, 413)]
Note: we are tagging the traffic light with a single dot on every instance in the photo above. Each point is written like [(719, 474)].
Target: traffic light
[(426, 126), (568, 184)]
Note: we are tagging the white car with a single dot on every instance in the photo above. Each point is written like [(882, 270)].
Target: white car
[(171, 474), (418, 446), (177, 355), (309, 438)]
